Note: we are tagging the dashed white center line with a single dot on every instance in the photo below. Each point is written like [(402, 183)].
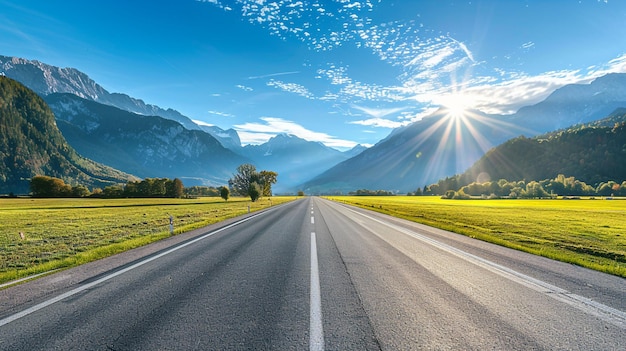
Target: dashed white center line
[(316, 331), (312, 220)]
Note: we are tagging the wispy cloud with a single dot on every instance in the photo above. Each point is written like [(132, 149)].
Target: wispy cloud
[(244, 88), (273, 75), (377, 119), (257, 133), (321, 25), (291, 88), (380, 123), (202, 123), (402, 119), (222, 114)]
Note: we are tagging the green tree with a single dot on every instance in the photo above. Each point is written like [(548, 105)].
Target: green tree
[(44, 186), (240, 182), (174, 188), (254, 191), (267, 178), (249, 182), (80, 191), (224, 193)]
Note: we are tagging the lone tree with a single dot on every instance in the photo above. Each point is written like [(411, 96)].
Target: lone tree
[(224, 193), (249, 182)]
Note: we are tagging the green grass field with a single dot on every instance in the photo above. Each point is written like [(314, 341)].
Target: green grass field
[(589, 233), (60, 233)]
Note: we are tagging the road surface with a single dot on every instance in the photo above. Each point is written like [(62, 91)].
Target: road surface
[(317, 275)]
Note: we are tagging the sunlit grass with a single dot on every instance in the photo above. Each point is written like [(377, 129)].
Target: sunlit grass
[(60, 233), (589, 233)]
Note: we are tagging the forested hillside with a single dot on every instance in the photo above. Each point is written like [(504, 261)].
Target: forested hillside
[(31, 144), (593, 153)]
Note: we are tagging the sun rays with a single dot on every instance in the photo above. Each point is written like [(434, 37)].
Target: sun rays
[(455, 137)]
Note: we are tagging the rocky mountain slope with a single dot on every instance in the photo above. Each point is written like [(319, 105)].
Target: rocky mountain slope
[(31, 144), (148, 146)]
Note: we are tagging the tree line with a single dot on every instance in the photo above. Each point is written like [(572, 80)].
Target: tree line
[(247, 182), (559, 186), (51, 187), (366, 192)]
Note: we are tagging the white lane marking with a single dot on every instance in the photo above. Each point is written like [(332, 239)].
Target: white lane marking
[(606, 313), (312, 220), (12, 282), (47, 303), (316, 331)]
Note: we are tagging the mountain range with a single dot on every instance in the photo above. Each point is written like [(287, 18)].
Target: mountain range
[(149, 141), (146, 146), (31, 144), (296, 158)]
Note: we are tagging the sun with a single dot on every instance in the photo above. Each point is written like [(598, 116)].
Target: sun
[(457, 105)]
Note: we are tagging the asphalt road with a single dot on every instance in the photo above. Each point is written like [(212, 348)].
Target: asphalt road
[(318, 275)]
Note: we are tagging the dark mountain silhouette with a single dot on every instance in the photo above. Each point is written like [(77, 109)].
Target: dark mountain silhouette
[(31, 144)]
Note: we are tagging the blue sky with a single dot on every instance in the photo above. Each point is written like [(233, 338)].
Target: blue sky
[(341, 72)]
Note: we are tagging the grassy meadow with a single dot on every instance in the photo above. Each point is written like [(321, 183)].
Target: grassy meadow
[(586, 232), (39, 235)]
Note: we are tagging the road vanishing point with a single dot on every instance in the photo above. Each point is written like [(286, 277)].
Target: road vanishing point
[(317, 275)]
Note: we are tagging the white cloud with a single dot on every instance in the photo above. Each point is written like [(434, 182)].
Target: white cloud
[(244, 88), (222, 114), (322, 25), (405, 117), (202, 123), (291, 88), (378, 112), (380, 123), (274, 75), (258, 133)]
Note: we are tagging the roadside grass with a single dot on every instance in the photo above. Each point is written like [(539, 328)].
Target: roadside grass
[(590, 233), (63, 233)]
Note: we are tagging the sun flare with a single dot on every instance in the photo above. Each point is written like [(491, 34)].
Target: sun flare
[(457, 105)]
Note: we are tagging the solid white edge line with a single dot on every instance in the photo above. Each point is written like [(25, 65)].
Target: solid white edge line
[(606, 313), (58, 298), (316, 333), (13, 282)]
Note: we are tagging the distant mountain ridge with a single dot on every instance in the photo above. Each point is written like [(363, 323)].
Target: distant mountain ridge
[(31, 144), (293, 158), (148, 146), (574, 104)]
